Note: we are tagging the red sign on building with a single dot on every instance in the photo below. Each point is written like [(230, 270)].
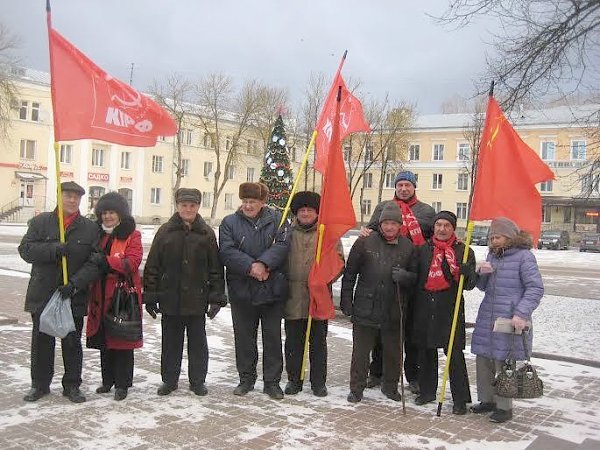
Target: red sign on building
[(97, 176), (126, 179)]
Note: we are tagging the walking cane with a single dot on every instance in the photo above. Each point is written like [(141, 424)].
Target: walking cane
[(401, 304)]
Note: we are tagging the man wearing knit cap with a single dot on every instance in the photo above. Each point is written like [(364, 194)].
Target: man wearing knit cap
[(417, 225), (374, 305), (42, 248), (254, 249), (439, 268)]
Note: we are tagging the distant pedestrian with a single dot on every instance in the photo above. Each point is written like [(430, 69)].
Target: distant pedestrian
[(119, 261), (184, 281), (42, 248), (513, 288)]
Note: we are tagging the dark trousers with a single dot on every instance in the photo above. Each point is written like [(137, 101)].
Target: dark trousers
[(246, 319), (363, 341), (173, 330), (428, 374), (42, 356), (295, 334), (117, 368), (411, 360)]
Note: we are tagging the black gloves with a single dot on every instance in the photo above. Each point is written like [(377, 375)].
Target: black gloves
[(67, 290), (61, 250), (467, 271), (213, 310), (152, 309), (346, 305), (99, 259), (403, 277)]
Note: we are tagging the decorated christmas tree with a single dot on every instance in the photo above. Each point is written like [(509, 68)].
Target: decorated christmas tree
[(276, 172)]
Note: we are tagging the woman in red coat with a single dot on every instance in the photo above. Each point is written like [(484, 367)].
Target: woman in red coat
[(120, 257)]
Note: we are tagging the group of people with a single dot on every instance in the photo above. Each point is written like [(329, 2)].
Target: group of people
[(399, 286)]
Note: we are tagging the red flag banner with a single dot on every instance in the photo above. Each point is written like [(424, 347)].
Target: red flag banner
[(91, 104), (507, 172), (336, 214), (351, 120)]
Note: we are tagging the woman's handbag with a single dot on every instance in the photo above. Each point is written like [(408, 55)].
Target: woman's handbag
[(123, 319), (518, 383)]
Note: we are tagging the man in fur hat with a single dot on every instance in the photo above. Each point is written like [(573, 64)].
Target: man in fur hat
[(42, 248), (305, 206), (254, 249)]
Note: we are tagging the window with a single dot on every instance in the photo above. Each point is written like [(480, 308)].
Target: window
[(546, 214), (66, 153), (206, 199), (590, 183), (437, 181), (546, 186), (567, 216), (23, 110), (548, 150), (365, 207), (413, 152), (347, 152), (437, 206), (254, 147), (95, 193), (98, 157), (578, 150), (35, 112), (250, 174), (464, 151), (462, 183), (389, 180), (249, 146), (228, 201), (208, 140), (461, 210), (230, 173), (438, 152), (185, 167), (391, 152), (368, 153), (125, 160), (27, 149), (155, 196), (157, 164), (128, 194), (227, 142), (368, 180), (207, 168)]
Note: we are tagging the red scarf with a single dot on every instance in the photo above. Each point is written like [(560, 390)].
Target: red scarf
[(70, 219), (436, 281), (410, 226)]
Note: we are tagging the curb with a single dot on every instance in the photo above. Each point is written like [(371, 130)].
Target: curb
[(8, 321)]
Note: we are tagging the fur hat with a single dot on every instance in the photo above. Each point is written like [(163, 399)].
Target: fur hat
[(406, 175), (447, 215), (113, 201), (305, 198), (73, 187), (391, 211), (504, 227), (257, 191), (188, 195)]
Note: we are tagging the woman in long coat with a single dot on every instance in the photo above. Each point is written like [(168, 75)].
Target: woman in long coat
[(121, 246), (513, 289)]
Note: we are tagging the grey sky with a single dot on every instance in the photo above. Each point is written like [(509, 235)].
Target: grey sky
[(392, 45)]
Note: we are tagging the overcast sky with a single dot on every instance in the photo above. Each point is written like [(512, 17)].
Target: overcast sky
[(393, 46)]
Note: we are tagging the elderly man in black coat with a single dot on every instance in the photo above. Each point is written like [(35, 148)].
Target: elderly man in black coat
[(42, 248), (254, 250)]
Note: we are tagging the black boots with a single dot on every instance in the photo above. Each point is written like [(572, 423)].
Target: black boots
[(74, 394), (243, 388), (166, 389), (293, 387), (120, 394), (35, 394), (273, 390)]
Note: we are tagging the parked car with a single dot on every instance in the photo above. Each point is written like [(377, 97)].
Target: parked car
[(480, 236), (590, 242), (554, 240)]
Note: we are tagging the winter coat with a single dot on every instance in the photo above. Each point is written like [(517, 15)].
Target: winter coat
[(242, 242), (423, 212), (39, 246), (183, 273), (124, 254), (433, 311), (514, 288), (301, 257), (374, 301)]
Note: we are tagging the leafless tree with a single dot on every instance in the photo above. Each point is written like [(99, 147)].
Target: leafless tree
[(8, 89), (472, 133), (272, 102)]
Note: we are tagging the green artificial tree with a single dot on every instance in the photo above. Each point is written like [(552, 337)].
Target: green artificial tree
[(276, 172)]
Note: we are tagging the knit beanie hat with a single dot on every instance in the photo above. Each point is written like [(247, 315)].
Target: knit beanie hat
[(504, 227), (406, 175), (391, 211), (448, 215), (113, 201)]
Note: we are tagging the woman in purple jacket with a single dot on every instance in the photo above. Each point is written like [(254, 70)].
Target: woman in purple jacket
[(513, 289)]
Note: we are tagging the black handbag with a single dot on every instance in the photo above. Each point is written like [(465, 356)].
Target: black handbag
[(273, 290), (522, 382), (123, 319)]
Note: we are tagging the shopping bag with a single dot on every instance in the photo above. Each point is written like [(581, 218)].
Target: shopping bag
[(57, 318)]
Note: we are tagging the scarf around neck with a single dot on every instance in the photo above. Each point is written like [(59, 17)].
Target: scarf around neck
[(436, 281), (68, 220), (410, 225)]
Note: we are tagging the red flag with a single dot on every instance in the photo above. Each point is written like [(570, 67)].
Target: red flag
[(351, 119), (90, 104), (507, 172), (336, 215)]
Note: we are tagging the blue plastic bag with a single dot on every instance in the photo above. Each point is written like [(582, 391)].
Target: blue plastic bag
[(57, 318)]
